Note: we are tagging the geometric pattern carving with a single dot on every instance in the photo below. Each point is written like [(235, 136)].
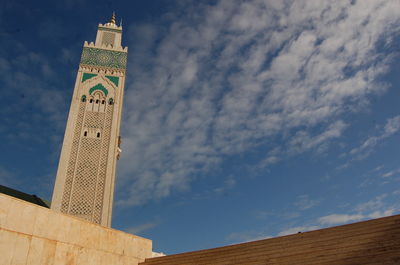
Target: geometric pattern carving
[(112, 30), (84, 186), (101, 179), (72, 159), (87, 168), (108, 38), (94, 119), (105, 58)]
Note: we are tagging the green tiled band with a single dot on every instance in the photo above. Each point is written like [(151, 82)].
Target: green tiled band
[(105, 58)]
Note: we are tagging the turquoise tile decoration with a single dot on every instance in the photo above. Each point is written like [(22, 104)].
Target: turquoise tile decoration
[(98, 87), (113, 79), (87, 76), (105, 58)]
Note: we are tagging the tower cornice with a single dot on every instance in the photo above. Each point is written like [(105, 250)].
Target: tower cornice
[(117, 29)]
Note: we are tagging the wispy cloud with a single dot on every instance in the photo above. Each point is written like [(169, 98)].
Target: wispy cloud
[(376, 203), (242, 237), (391, 127), (141, 228), (339, 218), (335, 219), (252, 72), (374, 208), (303, 141), (379, 206), (39, 104), (304, 202), (391, 173), (228, 184)]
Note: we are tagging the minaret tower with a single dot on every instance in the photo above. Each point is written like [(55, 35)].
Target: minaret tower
[(85, 179)]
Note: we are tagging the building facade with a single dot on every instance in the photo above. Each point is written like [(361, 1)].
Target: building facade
[(85, 179)]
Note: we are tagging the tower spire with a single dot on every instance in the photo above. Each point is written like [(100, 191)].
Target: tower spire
[(112, 20)]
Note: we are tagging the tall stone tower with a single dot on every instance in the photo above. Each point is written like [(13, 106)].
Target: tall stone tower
[(85, 179)]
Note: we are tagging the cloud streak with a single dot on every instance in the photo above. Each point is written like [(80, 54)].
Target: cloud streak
[(335, 219), (374, 208), (252, 73), (304, 202), (141, 228), (391, 127)]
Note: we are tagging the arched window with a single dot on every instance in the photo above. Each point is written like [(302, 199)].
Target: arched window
[(97, 101), (103, 101), (85, 133), (91, 100), (98, 135), (83, 98)]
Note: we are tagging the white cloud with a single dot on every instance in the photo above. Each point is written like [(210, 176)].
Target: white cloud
[(339, 218), (379, 214), (236, 238), (374, 208), (372, 205), (304, 202), (31, 94), (228, 184), (335, 219), (391, 173), (302, 141), (251, 72), (141, 228), (391, 127)]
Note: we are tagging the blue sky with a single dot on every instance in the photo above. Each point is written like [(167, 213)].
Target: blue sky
[(242, 119)]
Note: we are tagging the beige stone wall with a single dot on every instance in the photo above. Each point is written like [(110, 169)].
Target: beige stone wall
[(31, 234)]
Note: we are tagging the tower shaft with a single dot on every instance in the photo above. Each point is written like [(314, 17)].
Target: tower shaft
[(85, 179)]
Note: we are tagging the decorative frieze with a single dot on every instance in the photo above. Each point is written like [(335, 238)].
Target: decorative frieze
[(104, 58)]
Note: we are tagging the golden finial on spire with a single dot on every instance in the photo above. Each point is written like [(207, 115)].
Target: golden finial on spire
[(112, 20)]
